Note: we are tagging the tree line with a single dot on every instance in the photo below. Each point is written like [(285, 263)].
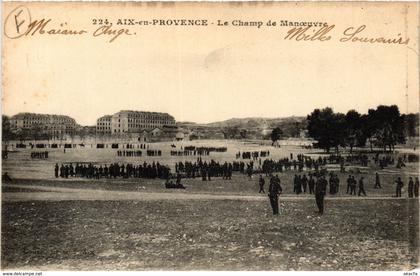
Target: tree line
[(383, 127)]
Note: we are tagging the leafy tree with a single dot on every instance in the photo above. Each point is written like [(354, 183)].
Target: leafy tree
[(354, 135), (243, 133), (368, 129), (230, 132), (327, 127), (6, 129), (388, 126), (276, 135), (411, 122)]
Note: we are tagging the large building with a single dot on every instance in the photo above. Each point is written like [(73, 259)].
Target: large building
[(52, 126), (128, 121), (103, 125)]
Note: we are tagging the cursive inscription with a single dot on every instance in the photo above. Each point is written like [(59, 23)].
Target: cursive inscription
[(350, 34), (18, 23)]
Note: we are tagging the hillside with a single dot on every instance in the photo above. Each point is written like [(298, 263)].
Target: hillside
[(258, 122)]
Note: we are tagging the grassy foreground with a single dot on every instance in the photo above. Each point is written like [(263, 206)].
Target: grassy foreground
[(208, 235)]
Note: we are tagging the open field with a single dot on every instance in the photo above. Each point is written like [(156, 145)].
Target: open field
[(20, 165), (199, 234), (137, 224)]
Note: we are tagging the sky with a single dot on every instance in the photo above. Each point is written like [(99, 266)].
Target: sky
[(207, 74)]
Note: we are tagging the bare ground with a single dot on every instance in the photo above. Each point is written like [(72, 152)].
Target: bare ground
[(202, 233)]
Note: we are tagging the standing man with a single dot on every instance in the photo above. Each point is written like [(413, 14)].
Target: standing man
[(377, 182), (416, 187), (361, 187), (304, 183), (348, 184), (311, 185), (399, 186), (273, 193), (352, 186), (410, 187), (320, 190), (261, 182), (56, 170)]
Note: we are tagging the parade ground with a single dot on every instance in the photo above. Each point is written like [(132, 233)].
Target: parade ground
[(53, 223)]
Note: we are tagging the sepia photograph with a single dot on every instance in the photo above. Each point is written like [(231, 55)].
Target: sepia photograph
[(210, 136)]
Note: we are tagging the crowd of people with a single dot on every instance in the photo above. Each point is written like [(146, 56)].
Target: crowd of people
[(145, 170), (275, 189), (129, 153), (153, 152), (188, 153), (207, 170), (205, 149), (254, 155), (39, 155)]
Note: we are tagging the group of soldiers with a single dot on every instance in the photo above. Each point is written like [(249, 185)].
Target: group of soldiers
[(352, 184), (254, 155), (318, 183), (206, 170), (154, 170), (129, 153), (196, 151), (205, 149), (412, 189), (189, 153), (39, 155), (275, 189)]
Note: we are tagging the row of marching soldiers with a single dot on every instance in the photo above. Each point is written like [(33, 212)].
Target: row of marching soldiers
[(252, 154), (301, 183), (39, 155), (302, 161), (207, 170), (154, 170)]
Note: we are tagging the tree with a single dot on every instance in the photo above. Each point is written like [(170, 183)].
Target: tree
[(388, 126), (327, 127), (243, 133), (6, 129), (276, 135), (411, 122), (367, 128), (354, 135), (230, 132)]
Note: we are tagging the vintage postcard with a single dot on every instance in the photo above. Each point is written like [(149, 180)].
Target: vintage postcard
[(210, 136)]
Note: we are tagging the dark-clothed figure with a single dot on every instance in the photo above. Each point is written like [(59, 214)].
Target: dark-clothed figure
[(416, 187), (377, 182), (273, 193), (56, 170), (304, 182), (352, 186), (261, 182), (297, 187), (348, 184), (399, 185), (311, 185), (320, 190), (410, 188), (361, 187)]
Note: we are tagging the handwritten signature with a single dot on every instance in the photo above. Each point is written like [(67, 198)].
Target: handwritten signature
[(19, 23), (351, 34)]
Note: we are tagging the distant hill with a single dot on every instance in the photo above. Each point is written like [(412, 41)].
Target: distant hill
[(258, 122)]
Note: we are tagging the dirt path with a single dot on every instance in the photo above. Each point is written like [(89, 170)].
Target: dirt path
[(60, 193)]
